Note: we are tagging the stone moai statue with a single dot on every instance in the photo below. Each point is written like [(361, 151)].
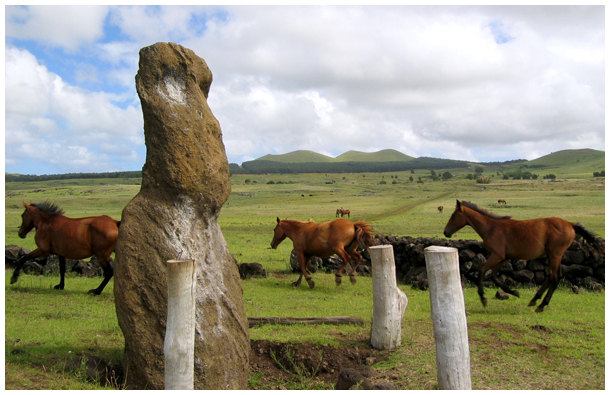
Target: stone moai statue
[(185, 182)]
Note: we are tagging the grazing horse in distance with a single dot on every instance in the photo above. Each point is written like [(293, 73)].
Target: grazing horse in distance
[(339, 212), (440, 209), (340, 236), (74, 238), (501, 201), (506, 238), (344, 212)]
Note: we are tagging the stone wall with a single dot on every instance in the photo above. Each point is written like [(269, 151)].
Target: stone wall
[(582, 265)]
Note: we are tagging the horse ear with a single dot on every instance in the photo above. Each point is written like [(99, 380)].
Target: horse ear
[(278, 219), (25, 204), (458, 205)]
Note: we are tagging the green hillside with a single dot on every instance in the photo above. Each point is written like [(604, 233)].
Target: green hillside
[(305, 156), (570, 161), (386, 155), (301, 156)]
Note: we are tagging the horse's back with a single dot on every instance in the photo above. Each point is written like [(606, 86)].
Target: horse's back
[(98, 233), (529, 239)]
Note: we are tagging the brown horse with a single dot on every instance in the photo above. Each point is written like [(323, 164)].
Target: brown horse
[(440, 209), (505, 238), (344, 212), (501, 201), (339, 212), (340, 236), (74, 238)]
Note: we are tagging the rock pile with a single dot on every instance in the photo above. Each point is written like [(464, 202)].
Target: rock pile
[(582, 265), (50, 264)]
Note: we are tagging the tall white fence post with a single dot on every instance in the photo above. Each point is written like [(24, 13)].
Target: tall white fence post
[(389, 302), (179, 347), (449, 318)]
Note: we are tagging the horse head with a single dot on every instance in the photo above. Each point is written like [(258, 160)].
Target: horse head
[(456, 222), (278, 235), (27, 220)]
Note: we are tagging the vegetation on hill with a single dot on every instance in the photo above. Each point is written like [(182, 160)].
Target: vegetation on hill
[(270, 167), (561, 162), (300, 156), (386, 155)]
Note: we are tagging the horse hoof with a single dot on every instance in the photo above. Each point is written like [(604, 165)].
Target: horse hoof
[(311, 284), (540, 309), (338, 280), (61, 287), (14, 279), (532, 303), (516, 293), (295, 284), (484, 301), (94, 292), (353, 279)]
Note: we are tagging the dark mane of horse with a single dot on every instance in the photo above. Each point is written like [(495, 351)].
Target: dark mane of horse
[(486, 213), (49, 207)]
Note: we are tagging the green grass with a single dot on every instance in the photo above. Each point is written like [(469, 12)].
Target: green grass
[(511, 346), (50, 327)]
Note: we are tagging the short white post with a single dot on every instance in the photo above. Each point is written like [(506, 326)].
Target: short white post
[(449, 318), (389, 302), (179, 347)]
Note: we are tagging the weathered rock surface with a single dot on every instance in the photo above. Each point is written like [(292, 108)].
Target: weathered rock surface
[(582, 265), (185, 182)]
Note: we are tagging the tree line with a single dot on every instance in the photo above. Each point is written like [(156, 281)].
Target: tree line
[(71, 176), (271, 167)]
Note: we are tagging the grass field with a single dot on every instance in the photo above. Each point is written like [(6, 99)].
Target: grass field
[(511, 346)]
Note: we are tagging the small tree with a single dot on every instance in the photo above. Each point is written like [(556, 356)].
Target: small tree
[(447, 175)]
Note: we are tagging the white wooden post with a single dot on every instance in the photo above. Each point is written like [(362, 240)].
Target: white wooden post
[(389, 302), (449, 318), (179, 347)]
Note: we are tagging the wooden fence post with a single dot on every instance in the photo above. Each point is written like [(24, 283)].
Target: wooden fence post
[(389, 302), (179, 347), (449, 318)]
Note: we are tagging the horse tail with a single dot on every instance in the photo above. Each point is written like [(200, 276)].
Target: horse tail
[(364, 234), (585, 233)]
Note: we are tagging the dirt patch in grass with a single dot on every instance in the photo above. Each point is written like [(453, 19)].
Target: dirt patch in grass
[(273, 365)]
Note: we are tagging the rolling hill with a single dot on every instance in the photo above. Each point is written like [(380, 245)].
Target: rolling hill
[(580, 161), (304, 156), (386, 155)]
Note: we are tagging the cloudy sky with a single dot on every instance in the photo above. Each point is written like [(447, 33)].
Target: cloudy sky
[(475, 83)]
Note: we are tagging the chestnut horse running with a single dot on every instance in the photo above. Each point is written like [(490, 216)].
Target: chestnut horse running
[(506, 238), (74, 238), (340, 236)]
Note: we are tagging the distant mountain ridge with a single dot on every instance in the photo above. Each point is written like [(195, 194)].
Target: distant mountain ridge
[(304, 161), (565, 161), (304, 156)]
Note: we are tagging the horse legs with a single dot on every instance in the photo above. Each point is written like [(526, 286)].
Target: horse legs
[(62, 272), (505, 288), (34, 254), (303, 262), (551, 283), (345, 258), (357, 258), (108, 273), (492, 263)]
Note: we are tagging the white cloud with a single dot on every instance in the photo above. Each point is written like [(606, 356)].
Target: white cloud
[(478, 83), (68, 27), (71, 128)]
